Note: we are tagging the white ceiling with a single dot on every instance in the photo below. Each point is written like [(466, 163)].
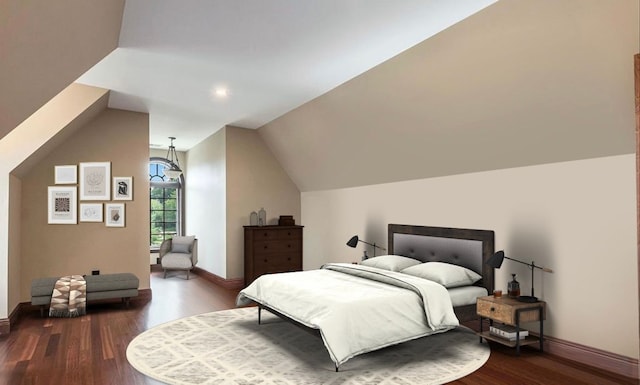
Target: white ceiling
[(271, 55)]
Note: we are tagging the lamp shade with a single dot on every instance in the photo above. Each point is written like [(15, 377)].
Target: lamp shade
[(496, 259), (173, 172), (353, 242)]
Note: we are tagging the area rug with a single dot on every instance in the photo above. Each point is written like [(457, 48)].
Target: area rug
[(230, 347)]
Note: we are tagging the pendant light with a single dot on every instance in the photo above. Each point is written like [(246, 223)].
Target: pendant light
[(174, 172)]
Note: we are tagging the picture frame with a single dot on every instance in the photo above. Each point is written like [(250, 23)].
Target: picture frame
[(66, 174), (122, 188), (95, 181), (61, 205), (114, 214), (90, 212)]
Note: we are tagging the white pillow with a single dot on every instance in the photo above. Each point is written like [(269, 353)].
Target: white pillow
[(446, 274), (390, 262)]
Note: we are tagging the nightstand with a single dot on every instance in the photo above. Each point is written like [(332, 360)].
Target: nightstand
[(512, 312)]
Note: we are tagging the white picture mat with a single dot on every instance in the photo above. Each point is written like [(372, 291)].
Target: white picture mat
[(66, 174), (90, 212), (122, 188), (114, 214), (61, 205), (95, 181)]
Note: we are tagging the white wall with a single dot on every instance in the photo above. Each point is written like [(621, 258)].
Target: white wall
[(205, 202), (577, 218)]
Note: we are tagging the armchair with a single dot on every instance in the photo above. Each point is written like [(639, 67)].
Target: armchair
[(179, 253)]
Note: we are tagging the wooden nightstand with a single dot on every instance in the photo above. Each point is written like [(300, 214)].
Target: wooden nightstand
[(511, 312)]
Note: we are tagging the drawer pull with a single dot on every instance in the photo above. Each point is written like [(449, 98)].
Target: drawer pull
[(289, 246), (265, 261), (493, 309), (265, 247)]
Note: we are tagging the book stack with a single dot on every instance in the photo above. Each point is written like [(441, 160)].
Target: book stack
[(507, 332)]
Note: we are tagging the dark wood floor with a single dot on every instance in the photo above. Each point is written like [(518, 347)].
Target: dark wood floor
[(91, 349)]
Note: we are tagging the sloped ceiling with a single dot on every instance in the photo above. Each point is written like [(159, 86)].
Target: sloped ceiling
[(45, 46), (519, 83), (270, 56)]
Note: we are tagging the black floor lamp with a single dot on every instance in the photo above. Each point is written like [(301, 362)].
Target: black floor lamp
[(353, 242), (496, 260)]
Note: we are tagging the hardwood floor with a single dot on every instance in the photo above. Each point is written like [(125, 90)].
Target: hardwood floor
[(91, 349)]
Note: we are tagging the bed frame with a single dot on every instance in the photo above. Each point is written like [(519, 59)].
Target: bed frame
[(463, 247)]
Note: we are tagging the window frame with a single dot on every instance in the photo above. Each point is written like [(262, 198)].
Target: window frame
[(179, 185)]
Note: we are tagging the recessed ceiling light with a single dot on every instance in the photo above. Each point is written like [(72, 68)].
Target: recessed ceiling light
[(221, 92)]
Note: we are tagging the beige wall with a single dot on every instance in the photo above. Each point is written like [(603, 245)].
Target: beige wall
[(230, 174), (15, 244), (46, 46), (116, 136), (206, 209), (255, 180), (26, 145), (518, 83), (577, 218)]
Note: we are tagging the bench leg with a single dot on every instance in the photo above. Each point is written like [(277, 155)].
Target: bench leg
[(187, 274), (41, 311)]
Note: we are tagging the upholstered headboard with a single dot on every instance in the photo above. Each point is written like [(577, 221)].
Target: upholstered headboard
[(463, 247)]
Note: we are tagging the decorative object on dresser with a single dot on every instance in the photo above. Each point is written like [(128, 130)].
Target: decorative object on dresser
[(271, 249), (496, 261), (286, 220), (262, 217), (253, 219), (511, 312), (353, 242)]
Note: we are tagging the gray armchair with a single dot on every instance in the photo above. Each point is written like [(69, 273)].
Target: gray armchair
[(179, 253)]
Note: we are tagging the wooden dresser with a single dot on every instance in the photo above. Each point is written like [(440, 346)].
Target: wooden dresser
[(271, 249)]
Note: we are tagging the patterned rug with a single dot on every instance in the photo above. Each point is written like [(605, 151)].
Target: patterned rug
[(229, 347)]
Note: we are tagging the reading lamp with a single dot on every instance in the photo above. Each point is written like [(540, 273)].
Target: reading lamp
[(496, 260), (353, 242)]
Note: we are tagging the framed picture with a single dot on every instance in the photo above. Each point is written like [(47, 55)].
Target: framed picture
[(90, 212), (61, 205), (66, 174), (114, 213), (122, 188), (95, 181)]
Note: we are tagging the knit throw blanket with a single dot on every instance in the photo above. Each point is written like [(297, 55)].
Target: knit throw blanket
[(69, 297)]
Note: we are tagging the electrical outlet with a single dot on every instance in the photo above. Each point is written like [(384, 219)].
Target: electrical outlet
[(95, 272)]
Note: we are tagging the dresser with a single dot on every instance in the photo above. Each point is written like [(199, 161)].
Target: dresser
[(271, 249)]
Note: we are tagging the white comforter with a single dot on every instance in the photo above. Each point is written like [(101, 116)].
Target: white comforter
[(357, 309)]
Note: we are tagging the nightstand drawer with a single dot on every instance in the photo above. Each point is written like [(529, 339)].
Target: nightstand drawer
[(504, 310)]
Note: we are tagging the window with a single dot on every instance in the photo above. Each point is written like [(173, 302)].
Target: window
[(166, 203)]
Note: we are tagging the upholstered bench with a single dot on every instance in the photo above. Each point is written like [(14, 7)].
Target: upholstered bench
[(104, 286)]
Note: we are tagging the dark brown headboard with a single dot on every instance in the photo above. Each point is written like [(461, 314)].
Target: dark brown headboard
[(463, 247)]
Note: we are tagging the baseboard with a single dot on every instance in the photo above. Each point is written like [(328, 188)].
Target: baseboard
[(232, 284), (5, 326), (597, 358)]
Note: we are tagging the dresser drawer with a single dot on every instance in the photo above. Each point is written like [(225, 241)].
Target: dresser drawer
[(277, 264), (277, 246)]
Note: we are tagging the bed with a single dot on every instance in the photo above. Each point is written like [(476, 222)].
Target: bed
[(358, 308)]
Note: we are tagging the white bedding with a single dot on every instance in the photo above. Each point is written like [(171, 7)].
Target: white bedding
[(354, 314), (466, 295)]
